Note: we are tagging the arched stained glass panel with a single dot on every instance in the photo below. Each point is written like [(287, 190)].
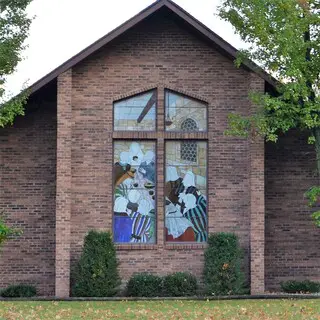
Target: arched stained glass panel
[(136, 113), (178, 107)]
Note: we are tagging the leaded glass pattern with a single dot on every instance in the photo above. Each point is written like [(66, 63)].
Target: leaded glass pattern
[(189, 151), (189, 148), (189, 125), (134, 178), (183, 113), (136, 113), (186, 217)]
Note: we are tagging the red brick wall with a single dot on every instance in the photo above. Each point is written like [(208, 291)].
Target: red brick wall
[(292, 241), (158, 53), (64, 187), (27, 195), (257, 203)]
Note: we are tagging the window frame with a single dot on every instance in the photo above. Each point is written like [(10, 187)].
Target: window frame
[(160, 136)]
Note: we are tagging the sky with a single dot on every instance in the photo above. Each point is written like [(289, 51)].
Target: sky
[(62, 28)]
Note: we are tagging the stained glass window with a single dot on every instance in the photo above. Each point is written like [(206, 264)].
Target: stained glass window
[(134, 178), (186, 217), (184, 113), (136, 113)]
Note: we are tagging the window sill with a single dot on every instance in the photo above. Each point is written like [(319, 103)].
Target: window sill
[(184, 246), (137, 246), (167, 246)]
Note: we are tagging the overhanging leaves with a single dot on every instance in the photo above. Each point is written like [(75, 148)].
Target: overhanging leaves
[(14, 26), (284, 39)]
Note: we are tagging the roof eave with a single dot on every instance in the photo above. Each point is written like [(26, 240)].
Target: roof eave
[(180, 12), (96, 46)]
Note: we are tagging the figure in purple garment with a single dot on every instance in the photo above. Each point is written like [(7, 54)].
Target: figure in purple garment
[(135, 197)]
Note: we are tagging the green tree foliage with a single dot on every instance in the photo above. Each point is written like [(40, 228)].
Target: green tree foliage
[(222, 265), (96, 274), (7, 232), (14, 26), (284, 39)]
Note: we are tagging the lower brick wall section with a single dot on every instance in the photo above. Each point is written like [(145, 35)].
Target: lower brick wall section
[(292, 241), (157, 260), (27, 196), (160, 261)]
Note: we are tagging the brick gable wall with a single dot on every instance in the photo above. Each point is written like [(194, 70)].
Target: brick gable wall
[(292, 241), (158, 53), (27, 196)]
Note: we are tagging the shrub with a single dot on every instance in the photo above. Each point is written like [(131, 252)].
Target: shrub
[(222, 268), (305, 286), (19, 291), (96, 274), (180, 284), (144, 285)]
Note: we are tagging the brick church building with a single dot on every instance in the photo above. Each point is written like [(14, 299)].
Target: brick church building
[(128, 136)]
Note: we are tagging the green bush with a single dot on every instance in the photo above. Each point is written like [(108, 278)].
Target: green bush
[(180, 284), (96, 274), (19, 291), (305, 286), (222, 268), (145, 285)]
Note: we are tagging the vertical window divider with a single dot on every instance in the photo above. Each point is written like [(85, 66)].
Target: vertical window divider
[(160, 166), (160, 191)]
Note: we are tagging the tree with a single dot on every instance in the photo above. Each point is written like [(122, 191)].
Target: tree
[(7, 232), (284, 39), (14, 27)]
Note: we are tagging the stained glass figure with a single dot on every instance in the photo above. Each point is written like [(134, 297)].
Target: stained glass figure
[(186, 217), (134, 192)]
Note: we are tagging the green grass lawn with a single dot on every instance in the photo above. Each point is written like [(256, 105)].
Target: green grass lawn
[(228, 310)]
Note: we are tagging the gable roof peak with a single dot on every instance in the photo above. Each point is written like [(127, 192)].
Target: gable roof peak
[(201, 29), (163, 1)]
